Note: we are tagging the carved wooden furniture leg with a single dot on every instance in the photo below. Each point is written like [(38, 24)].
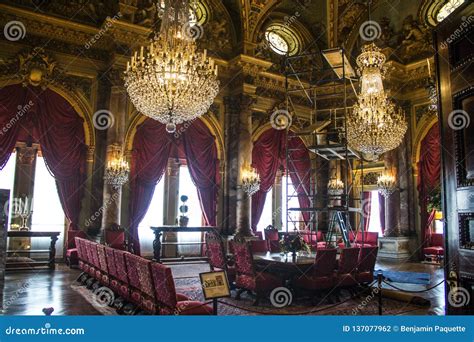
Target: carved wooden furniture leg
[(52, 252), (157, 247)]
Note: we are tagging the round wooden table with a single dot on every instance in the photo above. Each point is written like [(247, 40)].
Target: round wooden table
[(285, 265)]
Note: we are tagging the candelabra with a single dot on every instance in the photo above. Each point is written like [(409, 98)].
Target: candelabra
[(386, 185), (335, 187), (250, 181), (116, 172)]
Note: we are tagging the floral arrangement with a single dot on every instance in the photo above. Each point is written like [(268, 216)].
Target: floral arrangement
[(294, 243)]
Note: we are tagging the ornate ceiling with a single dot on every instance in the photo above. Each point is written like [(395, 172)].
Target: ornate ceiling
[(101, 35)]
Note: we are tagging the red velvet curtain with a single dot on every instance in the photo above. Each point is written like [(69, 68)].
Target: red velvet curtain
[(12, 99), (151, 149), (429, 171), (382, 212), (300, 172), (203, 163), (267, 156), (61, 136), (30, 111)]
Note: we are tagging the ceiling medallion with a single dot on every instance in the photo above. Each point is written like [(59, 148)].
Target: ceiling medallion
[(170, 80), (376, 125)]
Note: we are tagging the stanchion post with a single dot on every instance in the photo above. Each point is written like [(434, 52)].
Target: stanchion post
[(379, 285), (214, 306)]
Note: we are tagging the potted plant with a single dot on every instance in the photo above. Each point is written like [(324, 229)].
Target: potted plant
[(183, 209)]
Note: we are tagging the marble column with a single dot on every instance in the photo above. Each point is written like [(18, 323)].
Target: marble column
[(244, 160), (392, 202), (112, 196)]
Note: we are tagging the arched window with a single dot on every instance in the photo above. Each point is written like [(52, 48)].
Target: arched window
[(7, 179), (282, 39), (48, 214), (153, 218)]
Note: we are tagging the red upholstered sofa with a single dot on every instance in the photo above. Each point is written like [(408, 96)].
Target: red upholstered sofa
[(314, 239), (371, 240), (435, 249), (71, 249)]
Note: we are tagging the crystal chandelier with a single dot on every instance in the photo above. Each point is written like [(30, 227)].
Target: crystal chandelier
[(335, 187), (170, 80), (116, 172), (250, 181), (386, 185), (375, 125)]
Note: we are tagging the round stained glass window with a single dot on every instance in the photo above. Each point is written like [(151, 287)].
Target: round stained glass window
[(282, 40)]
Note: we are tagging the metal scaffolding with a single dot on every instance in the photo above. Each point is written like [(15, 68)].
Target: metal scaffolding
[(326, 139)]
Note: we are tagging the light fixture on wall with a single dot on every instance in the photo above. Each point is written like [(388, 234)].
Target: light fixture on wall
[(386, 184), (170, 80), (376, 125), (335, 187), (250, 180), (117, 171)]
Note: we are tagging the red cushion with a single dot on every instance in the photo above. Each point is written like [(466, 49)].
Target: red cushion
[(433, 250), (71, 253)]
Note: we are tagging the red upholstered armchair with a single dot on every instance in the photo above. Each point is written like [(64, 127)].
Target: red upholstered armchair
[(71, 251), (259, 246), (346, 270), (168, 301), (366, 264), (273, 239), (314, 239), (435, 249), (261, 283), (115, 239), (216, 255), (321, 275), (371, 239)]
